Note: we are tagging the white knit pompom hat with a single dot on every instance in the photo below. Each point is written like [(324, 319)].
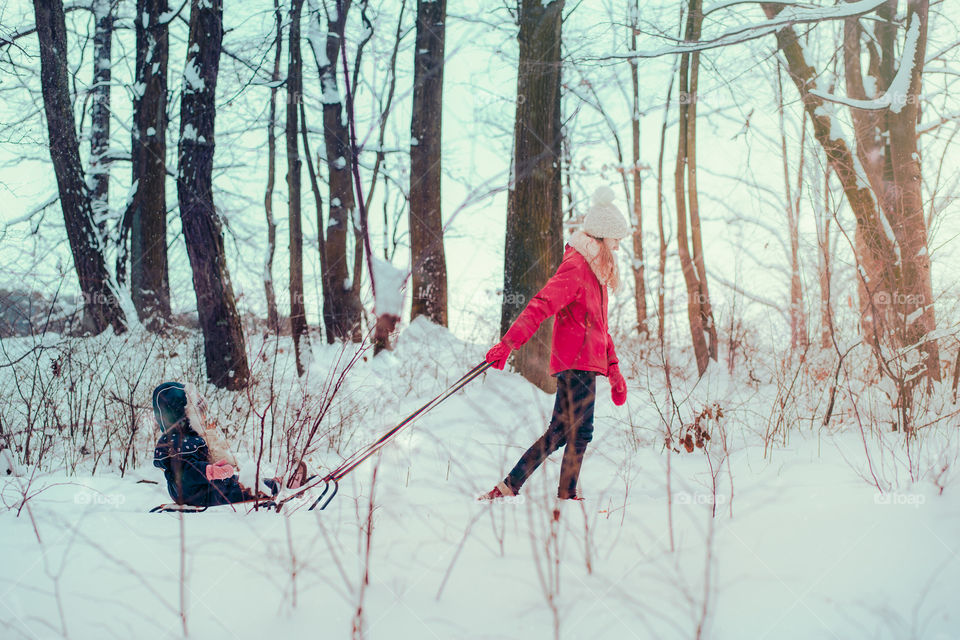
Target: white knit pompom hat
[(603, 219)]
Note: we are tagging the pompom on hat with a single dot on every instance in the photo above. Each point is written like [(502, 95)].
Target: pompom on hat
[(603, 219)]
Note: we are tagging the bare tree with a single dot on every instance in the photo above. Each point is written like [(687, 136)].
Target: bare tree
[(100, 113), (426, 223), (298, 320), (640, 287), (699, 312), (273, 320), (222, 334), (895, 290), (101, 308), (534, 234), (821, 208), (798, 322), (661, 233), (342, 308), (147, 214)]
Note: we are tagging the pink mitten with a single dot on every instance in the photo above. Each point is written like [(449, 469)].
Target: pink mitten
[(618, 386), (497, 356), (220, 470)]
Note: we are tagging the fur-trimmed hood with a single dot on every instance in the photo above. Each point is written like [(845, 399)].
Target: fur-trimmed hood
[(180, 407), (170, 409)]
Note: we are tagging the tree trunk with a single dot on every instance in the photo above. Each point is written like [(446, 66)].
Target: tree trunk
[(344, 308), (888, 151), (100, 306), (100, 114), (149, 280), (662, 254), (896, 297), (534, 234), (273, 318), (824, 263), (798, 325), (429, 276), (640, 294), (298, 321), (222, 333), (325, 284), (700, 315)]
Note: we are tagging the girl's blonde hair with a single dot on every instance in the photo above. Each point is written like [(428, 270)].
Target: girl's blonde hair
[(605, 265)]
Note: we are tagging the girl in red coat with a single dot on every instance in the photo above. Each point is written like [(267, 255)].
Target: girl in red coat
[(582, 347)]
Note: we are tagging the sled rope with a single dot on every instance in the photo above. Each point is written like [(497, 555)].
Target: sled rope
[(355, 460)]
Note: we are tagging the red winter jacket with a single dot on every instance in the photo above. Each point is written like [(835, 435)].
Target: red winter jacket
[(581, 339)]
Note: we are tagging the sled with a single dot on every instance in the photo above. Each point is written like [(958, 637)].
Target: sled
[(172, 507), (332, 479)]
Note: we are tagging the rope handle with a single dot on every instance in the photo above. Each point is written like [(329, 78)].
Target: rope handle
[(357, 458)]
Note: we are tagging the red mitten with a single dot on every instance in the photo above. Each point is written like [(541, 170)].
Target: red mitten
[(618, 386), (220, 470), (497, 356)]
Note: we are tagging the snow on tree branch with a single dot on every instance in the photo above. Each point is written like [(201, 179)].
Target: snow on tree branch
[(792, 15), (897, 95)]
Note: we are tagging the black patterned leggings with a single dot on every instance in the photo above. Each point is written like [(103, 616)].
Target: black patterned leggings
[(571, 425)]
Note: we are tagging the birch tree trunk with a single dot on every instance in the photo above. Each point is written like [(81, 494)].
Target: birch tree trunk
[(100, 114)]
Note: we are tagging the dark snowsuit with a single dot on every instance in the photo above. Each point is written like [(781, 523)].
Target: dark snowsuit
[(183, 454)]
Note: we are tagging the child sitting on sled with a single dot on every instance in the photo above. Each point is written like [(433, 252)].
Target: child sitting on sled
[(198, 465)]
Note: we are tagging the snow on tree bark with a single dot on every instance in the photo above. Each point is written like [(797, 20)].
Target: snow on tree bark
[(223, 341), (100, 114), (100, 305), (149, 283), (895, 288), (343, 311)]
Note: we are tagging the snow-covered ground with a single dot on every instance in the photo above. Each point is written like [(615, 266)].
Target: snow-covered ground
[(802, 545)]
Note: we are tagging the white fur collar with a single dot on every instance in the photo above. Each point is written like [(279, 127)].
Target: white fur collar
[(196, 411), (589, 248)]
